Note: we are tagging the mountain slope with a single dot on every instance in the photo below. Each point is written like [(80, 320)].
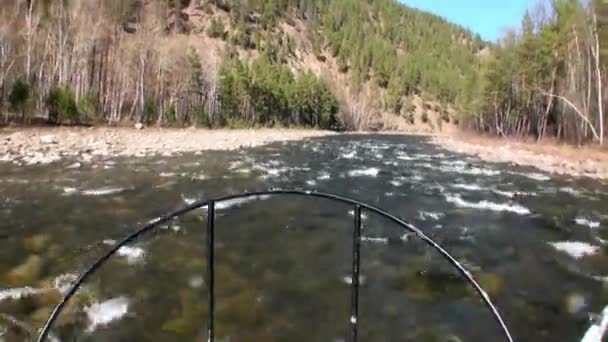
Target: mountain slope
[(169, 61)]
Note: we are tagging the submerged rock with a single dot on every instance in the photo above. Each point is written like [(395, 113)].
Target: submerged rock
[(40, 316), (47, 297), (492, 283), (575, 303), (193, 312), (26, 273), (240, 309), (48, 139), (36, 243), (431, 285)]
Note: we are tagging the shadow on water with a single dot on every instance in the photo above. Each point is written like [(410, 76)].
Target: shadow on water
[(283, 263)]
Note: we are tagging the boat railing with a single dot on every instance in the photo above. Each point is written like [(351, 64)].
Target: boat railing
[(210, 204)]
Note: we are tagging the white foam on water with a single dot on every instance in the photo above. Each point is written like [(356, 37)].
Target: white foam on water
[(374, 239), (508, 194), (100, 314), (404, 156), (69, 191), (586, 222), (417, 178), (167, 174), (370, 172), (348, 280), (535, 176), (461, 168), (196, 281), (62, 283), (349, 155), (396, 183), (575, 249), (18, 293), (275, 172), (102, 191), (363, 215), (243, 170), (311, 182), (457, 163), (571, 191), (475, 171), (200, 176), (468, 187), (324, 176), (434, 215), (486, 205), (188, 200), (239, 201), (132, 254), (423, 156)]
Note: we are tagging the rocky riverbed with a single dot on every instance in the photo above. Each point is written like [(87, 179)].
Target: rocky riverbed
[(33, 146), (554, 158)]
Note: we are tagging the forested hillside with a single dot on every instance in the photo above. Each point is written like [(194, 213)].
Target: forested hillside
[(350, 64), (548, 78)]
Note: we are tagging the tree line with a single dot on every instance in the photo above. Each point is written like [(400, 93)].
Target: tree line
[(105, 61), (546, 79), (108, 60)]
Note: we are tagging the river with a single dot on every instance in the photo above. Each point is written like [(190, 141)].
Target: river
[(534, 240)]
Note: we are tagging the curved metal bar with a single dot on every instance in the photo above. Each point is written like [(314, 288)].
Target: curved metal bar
[(200, 204)]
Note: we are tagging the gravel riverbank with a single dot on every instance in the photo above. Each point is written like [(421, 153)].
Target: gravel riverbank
[(30, 146), (551, 157)]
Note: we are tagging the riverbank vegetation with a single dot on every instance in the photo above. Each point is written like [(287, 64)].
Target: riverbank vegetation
[(546, 79)]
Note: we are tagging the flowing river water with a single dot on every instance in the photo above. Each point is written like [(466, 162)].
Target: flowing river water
[(535, 241)]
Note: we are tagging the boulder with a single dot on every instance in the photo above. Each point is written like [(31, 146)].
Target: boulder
[(575, 303), (139, 126), (48, 139), (36, 243), (76, 165), (27, 273), (492, 283)]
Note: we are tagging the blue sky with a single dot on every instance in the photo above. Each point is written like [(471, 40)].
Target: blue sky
[(489, 18)]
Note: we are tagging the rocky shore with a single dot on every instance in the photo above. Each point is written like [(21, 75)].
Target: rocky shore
[(31, 146), (550, 157)]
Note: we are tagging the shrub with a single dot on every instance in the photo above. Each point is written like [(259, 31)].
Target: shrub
[(171, 114), (150, 111), (88, 106), (62, 105), (425, 117), (19, 96), (216, 29), (411, 118), (201, 116), (445, 116)]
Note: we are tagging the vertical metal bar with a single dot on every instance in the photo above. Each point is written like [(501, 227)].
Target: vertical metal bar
[(210, 267), (354, 312)]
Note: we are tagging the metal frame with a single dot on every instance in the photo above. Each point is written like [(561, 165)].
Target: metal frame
[(210, 204)]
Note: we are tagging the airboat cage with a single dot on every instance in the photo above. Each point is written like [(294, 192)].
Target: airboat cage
[(356, 255)]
